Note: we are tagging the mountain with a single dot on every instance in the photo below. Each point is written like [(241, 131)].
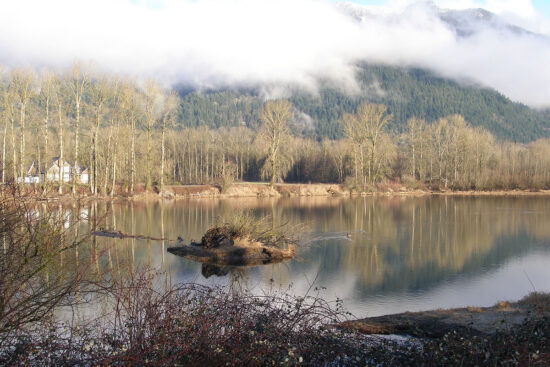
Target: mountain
[(464, 23), (408, 92), (469, 22)]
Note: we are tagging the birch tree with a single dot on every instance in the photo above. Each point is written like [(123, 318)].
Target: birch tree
[(116, 117), (61, 107), (414, 131), (46, 95), (169, 107), (152, 108), (21, 82), (354, 133), (275, 116), (5, 119), (364, 128), (98, 91), (78, 83), (9, 119), (373, 119)]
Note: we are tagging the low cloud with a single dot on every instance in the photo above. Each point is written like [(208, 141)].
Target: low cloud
[(212, 43)]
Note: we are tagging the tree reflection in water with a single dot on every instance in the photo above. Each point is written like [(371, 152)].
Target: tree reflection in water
[(395, 244)]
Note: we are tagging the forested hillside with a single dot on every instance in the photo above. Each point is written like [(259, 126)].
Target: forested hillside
[(407, 92)]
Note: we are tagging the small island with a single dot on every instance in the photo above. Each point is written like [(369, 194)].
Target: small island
[(241, 241)]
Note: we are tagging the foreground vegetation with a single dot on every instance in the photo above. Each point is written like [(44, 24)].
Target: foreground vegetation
[(51, 273), (193, 325)]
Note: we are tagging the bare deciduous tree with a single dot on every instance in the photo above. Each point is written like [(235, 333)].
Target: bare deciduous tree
[(21, 82), (99, 93), (78, 82), (169, 107), (275, 116), (152, 111)]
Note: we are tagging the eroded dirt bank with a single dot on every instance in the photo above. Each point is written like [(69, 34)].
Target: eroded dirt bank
[(256, 190), (304, 190)]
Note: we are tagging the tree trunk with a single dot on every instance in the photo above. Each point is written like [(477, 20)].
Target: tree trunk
[(212, 169), (133, 157), (93, 182), (207, 174), (189, 178), (148, 182), (162, 156), (196, 151), (413, 162), (77, 124), (45, 133), (14, 150), (115, 154), (4, 152), (60, 160), (22, 143), (107, 162)]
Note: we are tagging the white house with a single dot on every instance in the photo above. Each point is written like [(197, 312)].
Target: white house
[(53, 172), (33, 175), (84, 175)]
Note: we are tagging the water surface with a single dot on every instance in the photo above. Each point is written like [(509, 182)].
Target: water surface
[(378, 255)]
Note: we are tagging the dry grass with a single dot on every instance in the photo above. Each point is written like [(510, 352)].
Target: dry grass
[(537, 300), (247, 227)]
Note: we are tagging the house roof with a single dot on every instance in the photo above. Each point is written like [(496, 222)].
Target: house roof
[(56, 159)]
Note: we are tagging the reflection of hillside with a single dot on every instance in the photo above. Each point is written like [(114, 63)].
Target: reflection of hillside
[(424, 240)]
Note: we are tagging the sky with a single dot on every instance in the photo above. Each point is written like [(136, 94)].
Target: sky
[(279, 43)]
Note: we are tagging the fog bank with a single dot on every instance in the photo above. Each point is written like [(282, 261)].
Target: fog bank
[(213, 43)]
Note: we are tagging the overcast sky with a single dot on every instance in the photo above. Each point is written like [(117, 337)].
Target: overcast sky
[(211, 43)]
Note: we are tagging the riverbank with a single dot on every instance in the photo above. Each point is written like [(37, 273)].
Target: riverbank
[(264, 190), (508, 334), (468, 321)]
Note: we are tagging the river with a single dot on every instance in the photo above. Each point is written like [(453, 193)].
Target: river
[(378, 255)]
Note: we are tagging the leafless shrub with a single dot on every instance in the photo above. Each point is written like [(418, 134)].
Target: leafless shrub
[(36, 274), (191, 325)]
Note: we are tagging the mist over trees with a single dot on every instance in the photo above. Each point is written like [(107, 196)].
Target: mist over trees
[(407, 92), (128, 132)]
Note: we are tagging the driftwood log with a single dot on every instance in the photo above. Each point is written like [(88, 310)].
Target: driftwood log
[(119, 234), (219, 249)]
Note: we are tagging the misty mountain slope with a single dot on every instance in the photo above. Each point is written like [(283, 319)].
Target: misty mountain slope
[(464, 22), (471, 21), (407, 93)]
